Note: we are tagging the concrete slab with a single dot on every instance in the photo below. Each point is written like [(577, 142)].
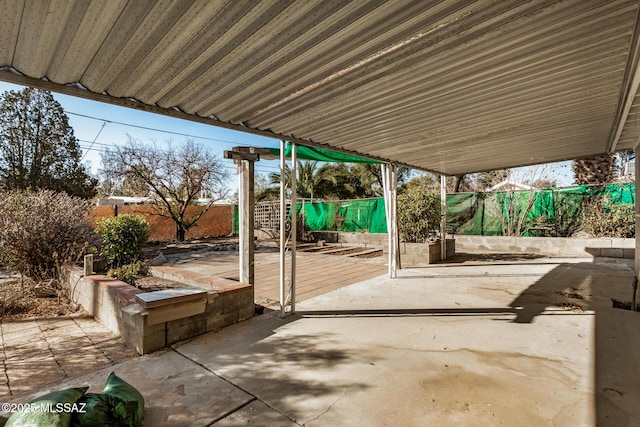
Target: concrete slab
[(533, 343), (465, 345), (256, 413), (177, 391), (36, 352)]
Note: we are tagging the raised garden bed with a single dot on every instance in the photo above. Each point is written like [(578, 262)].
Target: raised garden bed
[(149, 321)]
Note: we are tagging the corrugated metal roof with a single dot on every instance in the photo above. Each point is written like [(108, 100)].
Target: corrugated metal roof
[(448, 86)]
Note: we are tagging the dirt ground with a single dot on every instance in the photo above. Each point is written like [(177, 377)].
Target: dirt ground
[(19, 299)]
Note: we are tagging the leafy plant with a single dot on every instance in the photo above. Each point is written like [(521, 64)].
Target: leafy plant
[(123, 238), (128, 273), (41, 231), (418, 214), (601, 218)]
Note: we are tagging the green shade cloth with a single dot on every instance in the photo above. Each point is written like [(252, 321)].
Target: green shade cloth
[(320, 154), (472, 213)]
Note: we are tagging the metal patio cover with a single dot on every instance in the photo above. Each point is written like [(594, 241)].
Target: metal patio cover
[(446, 86)]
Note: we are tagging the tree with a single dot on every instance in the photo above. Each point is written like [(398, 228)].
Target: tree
[(38, 149), (595, 170), (308, 179), (418, 213), (339, 180), (486, 180), (175, 177)]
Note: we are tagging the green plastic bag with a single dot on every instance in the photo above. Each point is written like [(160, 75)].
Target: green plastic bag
[(98, 411), (128, 408), (53, 410)]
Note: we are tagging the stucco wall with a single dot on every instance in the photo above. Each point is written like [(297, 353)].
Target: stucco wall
[(216, 222)]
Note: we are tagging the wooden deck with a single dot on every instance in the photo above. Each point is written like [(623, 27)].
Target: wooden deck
[(317, 274)]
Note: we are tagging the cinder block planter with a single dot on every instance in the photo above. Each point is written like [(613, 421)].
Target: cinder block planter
[(153, 320), (418, 254)]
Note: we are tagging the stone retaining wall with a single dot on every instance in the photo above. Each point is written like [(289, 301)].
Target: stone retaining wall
[(114, 303)]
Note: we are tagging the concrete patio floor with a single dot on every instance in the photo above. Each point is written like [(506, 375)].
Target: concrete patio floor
[(530, 343)]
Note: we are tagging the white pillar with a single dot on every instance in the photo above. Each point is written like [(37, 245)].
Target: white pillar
[(294, 225), (389, 183), (443, 217), (393, 186), (245, 211), (283, 237), (637, 209)]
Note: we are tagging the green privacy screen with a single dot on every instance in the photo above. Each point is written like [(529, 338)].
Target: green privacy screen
[(472, 213), (559, 209), (364, 215)]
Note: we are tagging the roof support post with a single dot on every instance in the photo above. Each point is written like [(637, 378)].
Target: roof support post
[(443, 217), (283, 230), (245, 158), (246, 199), (637, 210), (389, 183), (294, 224)]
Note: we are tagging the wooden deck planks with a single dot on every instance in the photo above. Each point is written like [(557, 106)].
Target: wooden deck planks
[(315, 276)]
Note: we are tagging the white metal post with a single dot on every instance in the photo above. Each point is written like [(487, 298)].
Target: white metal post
[(389, 182), (393, 183), (443, 217), (283, 231), (294, 224)]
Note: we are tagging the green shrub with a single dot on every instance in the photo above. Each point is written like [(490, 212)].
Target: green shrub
[(418, 214), (128, 273), (41, 231), (600, 218), (123, 238)]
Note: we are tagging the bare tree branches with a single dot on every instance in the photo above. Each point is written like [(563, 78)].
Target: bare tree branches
[(175, 176)]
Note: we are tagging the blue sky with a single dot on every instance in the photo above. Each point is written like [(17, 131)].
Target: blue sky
[(88, 117), (98, 125)]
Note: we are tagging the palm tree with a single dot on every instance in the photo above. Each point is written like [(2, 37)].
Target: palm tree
[(597, 170), (309, 178)]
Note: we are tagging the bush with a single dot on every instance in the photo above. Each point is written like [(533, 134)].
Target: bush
[(600, 218), (41, 231), (418, 214), (128, 273), (123, 238)]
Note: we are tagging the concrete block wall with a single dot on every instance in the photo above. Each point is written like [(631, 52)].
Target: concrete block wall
[(113, 303), (548, 246), (360, 239)]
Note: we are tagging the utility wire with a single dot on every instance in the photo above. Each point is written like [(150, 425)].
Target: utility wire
[(104, 123), (152, 129)]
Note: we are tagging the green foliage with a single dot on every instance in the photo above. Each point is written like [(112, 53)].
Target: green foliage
[(418, 214), (334, 181), (40, 231), (600, 218), (124, 236), (128, 273), (38, 149), (597, 170)]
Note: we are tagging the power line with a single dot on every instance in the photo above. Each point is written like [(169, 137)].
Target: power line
[(104, 123), (153, 129)]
